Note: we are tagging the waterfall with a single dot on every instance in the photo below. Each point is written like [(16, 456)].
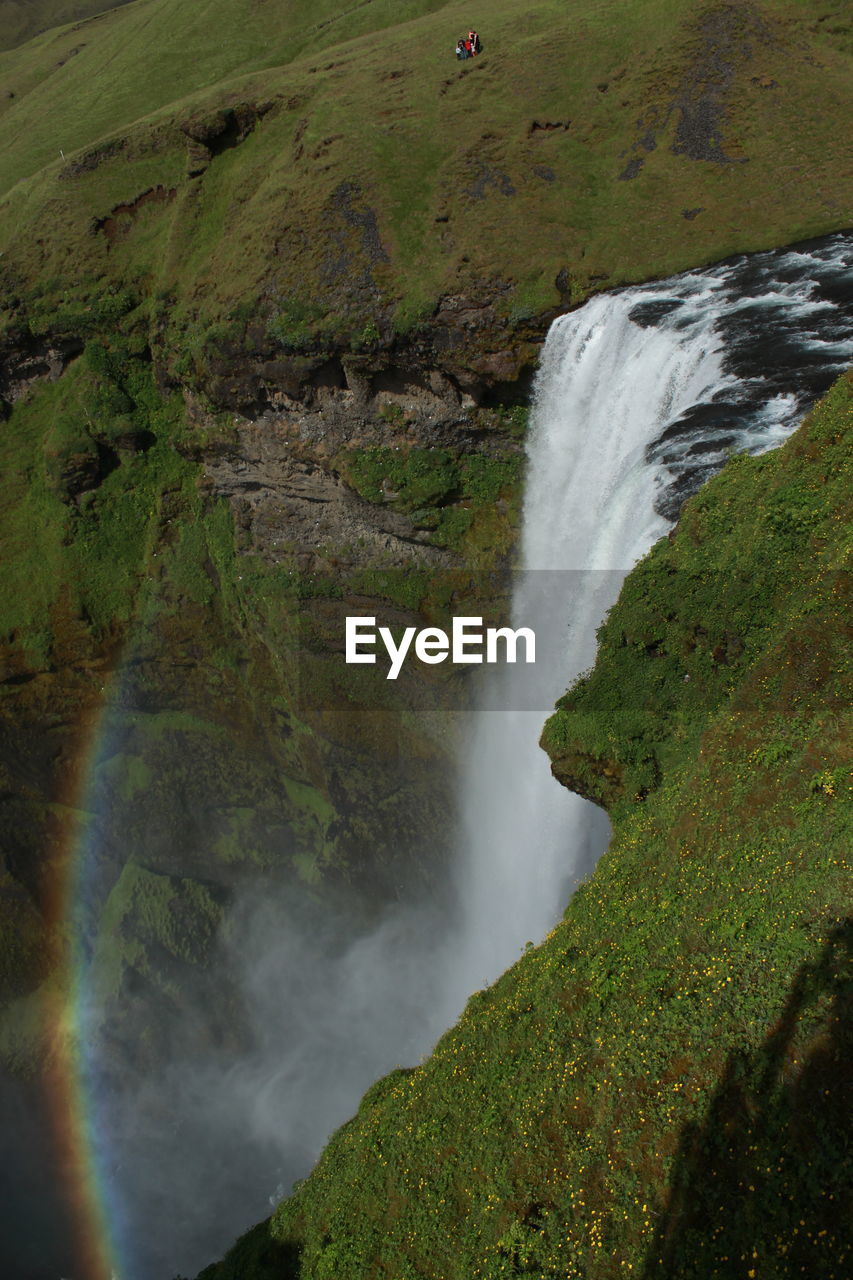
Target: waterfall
[(640, 396)]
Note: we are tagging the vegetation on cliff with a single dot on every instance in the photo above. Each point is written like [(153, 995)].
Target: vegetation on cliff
[(659, 1089)]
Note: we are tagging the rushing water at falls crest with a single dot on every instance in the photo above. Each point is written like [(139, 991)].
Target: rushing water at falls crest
[(641, 395)]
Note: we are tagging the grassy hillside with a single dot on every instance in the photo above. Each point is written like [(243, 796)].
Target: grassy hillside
[(323, 169), (660, 1089), (20, 20)]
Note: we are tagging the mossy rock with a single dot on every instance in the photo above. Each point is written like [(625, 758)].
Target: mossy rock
[(24, 940), (152, 924)]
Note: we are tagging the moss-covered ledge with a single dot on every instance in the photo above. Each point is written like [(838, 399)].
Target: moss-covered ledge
[(760, 543)]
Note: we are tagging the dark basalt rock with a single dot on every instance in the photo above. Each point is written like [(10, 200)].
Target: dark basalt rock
[(25, 359), (81, 468), (211, 133)]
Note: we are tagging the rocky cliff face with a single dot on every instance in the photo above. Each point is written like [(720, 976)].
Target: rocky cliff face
[(278, 471), (177, 724), (206, 669)]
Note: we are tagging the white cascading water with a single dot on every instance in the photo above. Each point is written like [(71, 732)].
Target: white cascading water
[(639, 391)]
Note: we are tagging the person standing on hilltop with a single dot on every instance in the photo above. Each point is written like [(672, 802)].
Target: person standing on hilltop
[(474, 42)]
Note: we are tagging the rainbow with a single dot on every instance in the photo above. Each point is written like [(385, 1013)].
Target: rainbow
[(83, 1169), (85, 1183)]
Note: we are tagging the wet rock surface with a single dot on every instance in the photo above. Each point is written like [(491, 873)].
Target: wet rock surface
[(287, 503)]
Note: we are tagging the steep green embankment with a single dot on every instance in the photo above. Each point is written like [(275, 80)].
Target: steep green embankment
[(334, 171), (661, 1088)]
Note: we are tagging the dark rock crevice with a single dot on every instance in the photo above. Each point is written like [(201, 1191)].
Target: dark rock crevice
[(26, 360), (210, 134), (118, 221)]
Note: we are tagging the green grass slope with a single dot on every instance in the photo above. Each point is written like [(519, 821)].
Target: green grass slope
[(20, 20), (661, 1088), (322, 168)]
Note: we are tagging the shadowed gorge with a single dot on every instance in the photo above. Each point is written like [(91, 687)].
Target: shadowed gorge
[(303, 319)]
